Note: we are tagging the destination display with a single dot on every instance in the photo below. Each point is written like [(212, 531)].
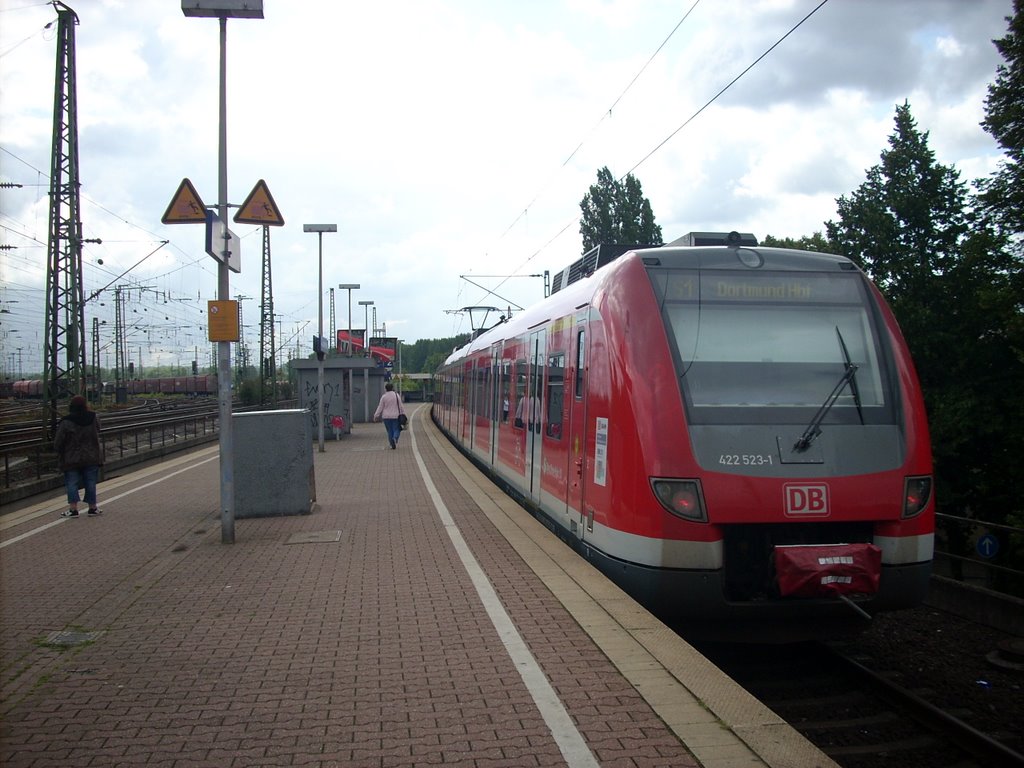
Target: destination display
[(763, 288)]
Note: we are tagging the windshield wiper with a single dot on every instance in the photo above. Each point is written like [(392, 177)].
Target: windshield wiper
[(814, 428), (854, 389)]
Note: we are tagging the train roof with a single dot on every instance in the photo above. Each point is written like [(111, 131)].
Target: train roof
[(579, 292), (605, 253), (743, 257)]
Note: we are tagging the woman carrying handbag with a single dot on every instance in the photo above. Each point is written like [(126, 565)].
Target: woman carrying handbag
[(392, 413)]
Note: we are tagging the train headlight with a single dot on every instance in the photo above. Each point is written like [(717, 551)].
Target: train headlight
[(683, 498), (917, 492)]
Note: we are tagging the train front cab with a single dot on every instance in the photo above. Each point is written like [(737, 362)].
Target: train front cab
[(704, 360), (759, 340)]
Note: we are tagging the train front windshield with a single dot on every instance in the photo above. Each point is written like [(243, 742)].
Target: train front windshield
[(771, 347)]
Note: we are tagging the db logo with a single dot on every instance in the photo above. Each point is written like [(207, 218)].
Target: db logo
[(806, 500)]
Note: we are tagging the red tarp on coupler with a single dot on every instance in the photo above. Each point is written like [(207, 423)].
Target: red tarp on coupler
[(828, 570)]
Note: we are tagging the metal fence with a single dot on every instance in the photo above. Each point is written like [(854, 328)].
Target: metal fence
[(981, 553), (35, 460)]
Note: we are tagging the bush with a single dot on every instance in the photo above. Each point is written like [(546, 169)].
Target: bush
[(249, 392)]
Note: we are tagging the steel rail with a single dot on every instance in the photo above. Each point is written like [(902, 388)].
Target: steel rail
[(974, 742)]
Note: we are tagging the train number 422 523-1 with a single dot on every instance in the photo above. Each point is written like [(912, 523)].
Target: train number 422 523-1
[(745, 459)]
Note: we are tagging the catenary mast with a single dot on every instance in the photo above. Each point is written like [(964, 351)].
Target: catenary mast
[(268, 354), (64, 344)]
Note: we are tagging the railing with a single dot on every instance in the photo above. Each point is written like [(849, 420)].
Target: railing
[(155, 434), (32, 460), (982, 553)]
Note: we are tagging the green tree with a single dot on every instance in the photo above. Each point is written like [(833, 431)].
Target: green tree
[(434, 361), (1002, 198), (617, 213), (945, 272), (1002, 194), (905, 223), (248, 391), (816, 242), (421, 356)]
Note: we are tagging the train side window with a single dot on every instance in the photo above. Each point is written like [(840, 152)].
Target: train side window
[(580, 355), (506, 389), (494, 392), (519, 395), (481, 403), (556, 392)]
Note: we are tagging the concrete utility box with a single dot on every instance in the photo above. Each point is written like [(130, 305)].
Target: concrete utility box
[(273, 453)]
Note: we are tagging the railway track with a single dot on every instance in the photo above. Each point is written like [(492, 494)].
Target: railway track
[(130, 435), (28, 464), (22, 425), (856, 711)]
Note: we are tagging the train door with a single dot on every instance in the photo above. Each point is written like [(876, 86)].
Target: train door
[(519, 399), (465, 404), (580, 522), (534, 408), (495, 399), (480, 413), (473, 404)]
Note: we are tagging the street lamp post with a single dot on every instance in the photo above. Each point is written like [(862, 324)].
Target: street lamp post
[(366, 351), (366, 326), (320, 229), (223, 10), (349, 287), (348, 344)]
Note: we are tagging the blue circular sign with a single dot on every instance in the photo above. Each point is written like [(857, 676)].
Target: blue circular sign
[(988, 546)]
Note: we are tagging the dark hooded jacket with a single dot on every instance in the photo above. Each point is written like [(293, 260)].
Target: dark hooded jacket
[(77, 441)]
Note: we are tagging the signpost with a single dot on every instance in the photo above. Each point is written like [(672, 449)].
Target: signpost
[(259, 208), (186, 206), (223, 244), (988, 546), (222, 320), (222, 10)]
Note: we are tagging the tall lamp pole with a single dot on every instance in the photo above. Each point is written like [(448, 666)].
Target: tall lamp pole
[(320, 229), (349, 287), (366, 325), (223, 10), (348, 344), (366, 352)]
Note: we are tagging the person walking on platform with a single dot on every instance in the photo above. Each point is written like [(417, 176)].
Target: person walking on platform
[(80, 454), (390, 410)]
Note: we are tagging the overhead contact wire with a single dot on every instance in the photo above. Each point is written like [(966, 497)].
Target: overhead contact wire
[(732, 82), (604, 116), (690, 119)]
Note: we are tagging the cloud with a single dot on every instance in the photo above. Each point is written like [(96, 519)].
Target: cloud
[(449, 138)]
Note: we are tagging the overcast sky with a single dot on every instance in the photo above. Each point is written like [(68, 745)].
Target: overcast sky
[(453, 137)]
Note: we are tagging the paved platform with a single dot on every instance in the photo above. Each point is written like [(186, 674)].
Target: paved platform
[(416, 617)]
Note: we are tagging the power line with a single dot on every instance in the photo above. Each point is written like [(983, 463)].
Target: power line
[(45, 27), (194, 259), (690, 119), (732, 82), (604, 116)]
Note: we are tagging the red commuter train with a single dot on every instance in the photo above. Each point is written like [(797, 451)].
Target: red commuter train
[(734, 434)]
